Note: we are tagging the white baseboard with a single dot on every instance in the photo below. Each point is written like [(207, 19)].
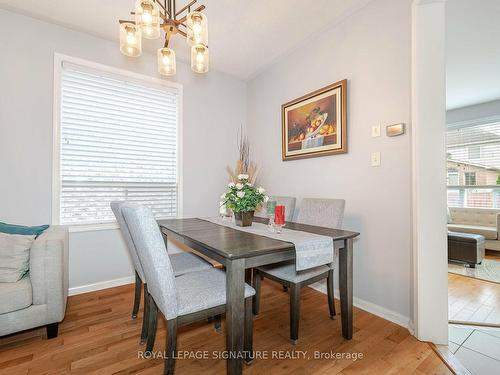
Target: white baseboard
[(101, 285), (384, 313)]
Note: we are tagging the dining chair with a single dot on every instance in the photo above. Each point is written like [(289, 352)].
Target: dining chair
[(184, 299), (288, 202), (321, 212), (181, 263)]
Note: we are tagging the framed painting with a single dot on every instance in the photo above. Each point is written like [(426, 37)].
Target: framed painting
[(315, 124)]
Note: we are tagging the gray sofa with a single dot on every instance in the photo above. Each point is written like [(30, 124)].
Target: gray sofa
[(483, 221), (39, 298)]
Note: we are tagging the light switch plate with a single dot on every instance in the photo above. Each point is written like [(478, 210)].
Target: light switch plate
[(376, 131), (376, 159)]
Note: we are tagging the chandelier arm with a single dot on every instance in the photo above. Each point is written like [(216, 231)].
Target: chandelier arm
[(199, 9), (167, 39), (182, 33), (125, 21), (160, 4), (173, 9), (186, 7)]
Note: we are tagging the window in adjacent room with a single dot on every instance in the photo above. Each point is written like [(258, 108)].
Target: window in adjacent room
[(470, 178), (473, 151), (117, 139)]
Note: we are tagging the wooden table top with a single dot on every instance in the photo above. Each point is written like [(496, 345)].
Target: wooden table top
[(232, 243)]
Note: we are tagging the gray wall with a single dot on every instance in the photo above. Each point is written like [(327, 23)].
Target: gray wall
[(372, 50), (214, 108)]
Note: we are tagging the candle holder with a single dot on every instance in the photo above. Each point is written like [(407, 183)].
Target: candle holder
[(278, 228)]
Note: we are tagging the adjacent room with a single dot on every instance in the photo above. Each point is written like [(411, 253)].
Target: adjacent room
[(229, 187)]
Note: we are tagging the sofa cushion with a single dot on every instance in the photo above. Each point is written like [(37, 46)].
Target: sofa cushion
[(15, 296), (490, 233), (14, 256)]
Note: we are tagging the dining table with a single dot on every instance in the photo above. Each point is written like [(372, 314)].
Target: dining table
[(239, 251)]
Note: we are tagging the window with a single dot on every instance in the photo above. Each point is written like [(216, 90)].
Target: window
[(117, 140), (470, 178), (452, 176), (474, 152)]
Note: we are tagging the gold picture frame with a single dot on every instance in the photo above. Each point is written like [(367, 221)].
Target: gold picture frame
[(315, 124)]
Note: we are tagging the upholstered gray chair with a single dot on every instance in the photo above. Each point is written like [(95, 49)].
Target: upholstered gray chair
[(182, 263), (184, 299), (321, 212), (288, 202)]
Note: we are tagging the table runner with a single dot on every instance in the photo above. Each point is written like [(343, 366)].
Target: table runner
[(311, 250)]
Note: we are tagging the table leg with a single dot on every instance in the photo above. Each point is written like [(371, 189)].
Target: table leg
[(345, 285), (235, 314)]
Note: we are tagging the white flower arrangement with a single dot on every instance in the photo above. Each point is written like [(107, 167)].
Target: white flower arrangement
[(243, 197)]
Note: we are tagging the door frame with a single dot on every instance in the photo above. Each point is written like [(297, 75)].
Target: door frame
[(429, 292)]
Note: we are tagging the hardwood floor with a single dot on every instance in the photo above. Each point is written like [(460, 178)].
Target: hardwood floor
[(472, 300), (98, 336)]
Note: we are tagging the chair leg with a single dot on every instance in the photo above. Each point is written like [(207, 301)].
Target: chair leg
[(331, 300), (52, 330), (294, 312), (152, 323), (256, 298), (171, 347), (137, 296), (248, 275), (145, 317), (248, 344), (217, 323)]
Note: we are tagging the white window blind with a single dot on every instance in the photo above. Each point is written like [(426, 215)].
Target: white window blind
[(118, 142), (473, 164)]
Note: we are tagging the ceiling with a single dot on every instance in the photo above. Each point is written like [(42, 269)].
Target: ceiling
[(244, 36), (472, 52)]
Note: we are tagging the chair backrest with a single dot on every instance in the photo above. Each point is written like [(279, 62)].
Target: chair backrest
[(288, 202), (116, 207), (153, 256), (322, 212)]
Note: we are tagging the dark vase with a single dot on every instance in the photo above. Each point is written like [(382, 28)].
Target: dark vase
[(243, 219)]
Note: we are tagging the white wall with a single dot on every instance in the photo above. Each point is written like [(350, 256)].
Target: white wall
[(372, 50), (214, 108)]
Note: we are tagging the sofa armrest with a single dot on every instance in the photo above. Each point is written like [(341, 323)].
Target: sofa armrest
[(49, 271), (498, 225)]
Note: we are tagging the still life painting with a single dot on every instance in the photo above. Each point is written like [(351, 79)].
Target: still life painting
[(315, 124)]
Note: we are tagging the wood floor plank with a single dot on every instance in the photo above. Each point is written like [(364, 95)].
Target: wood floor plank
[(99, 337)]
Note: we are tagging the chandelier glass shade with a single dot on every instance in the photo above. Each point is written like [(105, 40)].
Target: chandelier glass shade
[(166, 61), (199, 58), (152, 16), (197, 29), (147, 17), (130, 39)]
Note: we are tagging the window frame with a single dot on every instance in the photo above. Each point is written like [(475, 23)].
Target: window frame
[(59, 60)]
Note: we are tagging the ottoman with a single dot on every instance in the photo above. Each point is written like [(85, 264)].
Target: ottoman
[(466, 248)]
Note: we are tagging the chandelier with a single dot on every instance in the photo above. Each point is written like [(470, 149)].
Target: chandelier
[(153, 15)]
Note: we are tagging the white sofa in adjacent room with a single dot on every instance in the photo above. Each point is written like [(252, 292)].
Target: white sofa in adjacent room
[(483, 221)]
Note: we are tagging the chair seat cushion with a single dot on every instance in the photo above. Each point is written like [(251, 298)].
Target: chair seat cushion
[(287, 272), (202, 290), (187, 262), (16, 296), (490, 233)]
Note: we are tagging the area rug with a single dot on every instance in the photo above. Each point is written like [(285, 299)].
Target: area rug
[(488, 270)]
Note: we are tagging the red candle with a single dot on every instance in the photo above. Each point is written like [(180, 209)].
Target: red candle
[(279, 215)]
